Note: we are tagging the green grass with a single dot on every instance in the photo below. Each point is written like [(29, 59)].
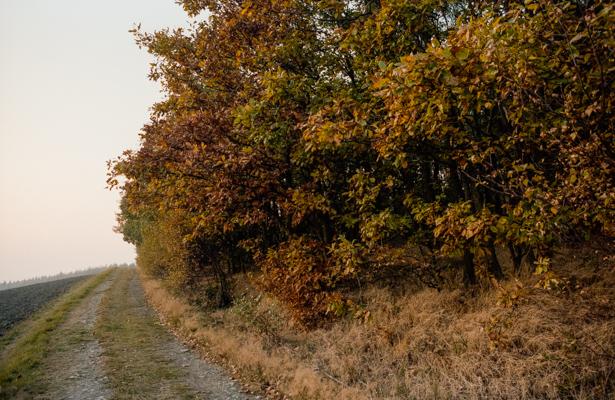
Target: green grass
[(19, 367), (16, 331)]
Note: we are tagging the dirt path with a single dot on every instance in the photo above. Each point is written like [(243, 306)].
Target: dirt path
[(73, 368), (112, 346), (144, 361)]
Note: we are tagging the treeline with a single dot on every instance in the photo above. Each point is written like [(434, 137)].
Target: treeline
[(321, 140), (62, 275)]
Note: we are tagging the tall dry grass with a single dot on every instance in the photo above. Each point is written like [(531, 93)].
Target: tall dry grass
[(518, 342)]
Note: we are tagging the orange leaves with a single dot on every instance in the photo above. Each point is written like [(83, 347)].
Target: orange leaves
[(298, 272)]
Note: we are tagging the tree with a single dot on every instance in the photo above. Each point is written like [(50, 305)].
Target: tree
[(319, 140)]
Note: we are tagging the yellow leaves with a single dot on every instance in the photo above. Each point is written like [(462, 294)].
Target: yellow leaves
[(380, 83), (401, 161), (347, 257), (389, 182), (247, 9), (532, 6), (547, 279), (490, 73), (305, 202), (543, 265), (473, 229), (462, 54), (511, 297)]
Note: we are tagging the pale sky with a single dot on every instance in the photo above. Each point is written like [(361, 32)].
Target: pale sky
[(73, 94)]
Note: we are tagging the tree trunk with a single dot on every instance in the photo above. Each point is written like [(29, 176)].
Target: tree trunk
[(530, 260), (427, 181), (494, 265), (455, 189), (516, 255), (469, 275), (223, 297)]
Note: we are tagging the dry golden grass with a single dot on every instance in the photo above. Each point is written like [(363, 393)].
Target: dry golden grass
[(421, 343)]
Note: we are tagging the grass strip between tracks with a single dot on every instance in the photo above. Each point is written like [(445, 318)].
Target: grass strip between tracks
[(18, 368), (132, 336)]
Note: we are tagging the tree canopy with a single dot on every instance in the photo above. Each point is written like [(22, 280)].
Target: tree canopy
[(317, 140)]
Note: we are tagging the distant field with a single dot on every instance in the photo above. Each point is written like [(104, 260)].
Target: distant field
[(19, 303)]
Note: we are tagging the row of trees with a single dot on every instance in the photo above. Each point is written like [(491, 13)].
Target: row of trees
[(62, 275), (318, 139)]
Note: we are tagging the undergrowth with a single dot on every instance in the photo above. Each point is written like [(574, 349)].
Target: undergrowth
[(518, 341)]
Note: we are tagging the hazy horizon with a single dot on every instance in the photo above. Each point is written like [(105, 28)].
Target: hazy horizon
[(74, 94)]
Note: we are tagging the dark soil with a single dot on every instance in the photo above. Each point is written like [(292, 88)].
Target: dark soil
[(19, 303)]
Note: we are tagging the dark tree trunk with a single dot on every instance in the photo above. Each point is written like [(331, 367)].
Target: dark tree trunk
[(494, 265), (455, 190), (223, 296), (516, 255), (530, 260), (469, 275), (427, 181)]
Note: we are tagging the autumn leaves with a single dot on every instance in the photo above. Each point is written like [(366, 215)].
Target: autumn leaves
[(309, 138)]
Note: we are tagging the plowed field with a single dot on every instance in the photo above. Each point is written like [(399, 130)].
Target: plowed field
[(19, 303)]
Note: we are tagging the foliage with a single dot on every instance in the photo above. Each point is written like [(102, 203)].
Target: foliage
[(305, 136)]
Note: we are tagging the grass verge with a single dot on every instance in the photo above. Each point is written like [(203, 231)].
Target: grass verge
[(19, 366), (245, 351), (517, 342)]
